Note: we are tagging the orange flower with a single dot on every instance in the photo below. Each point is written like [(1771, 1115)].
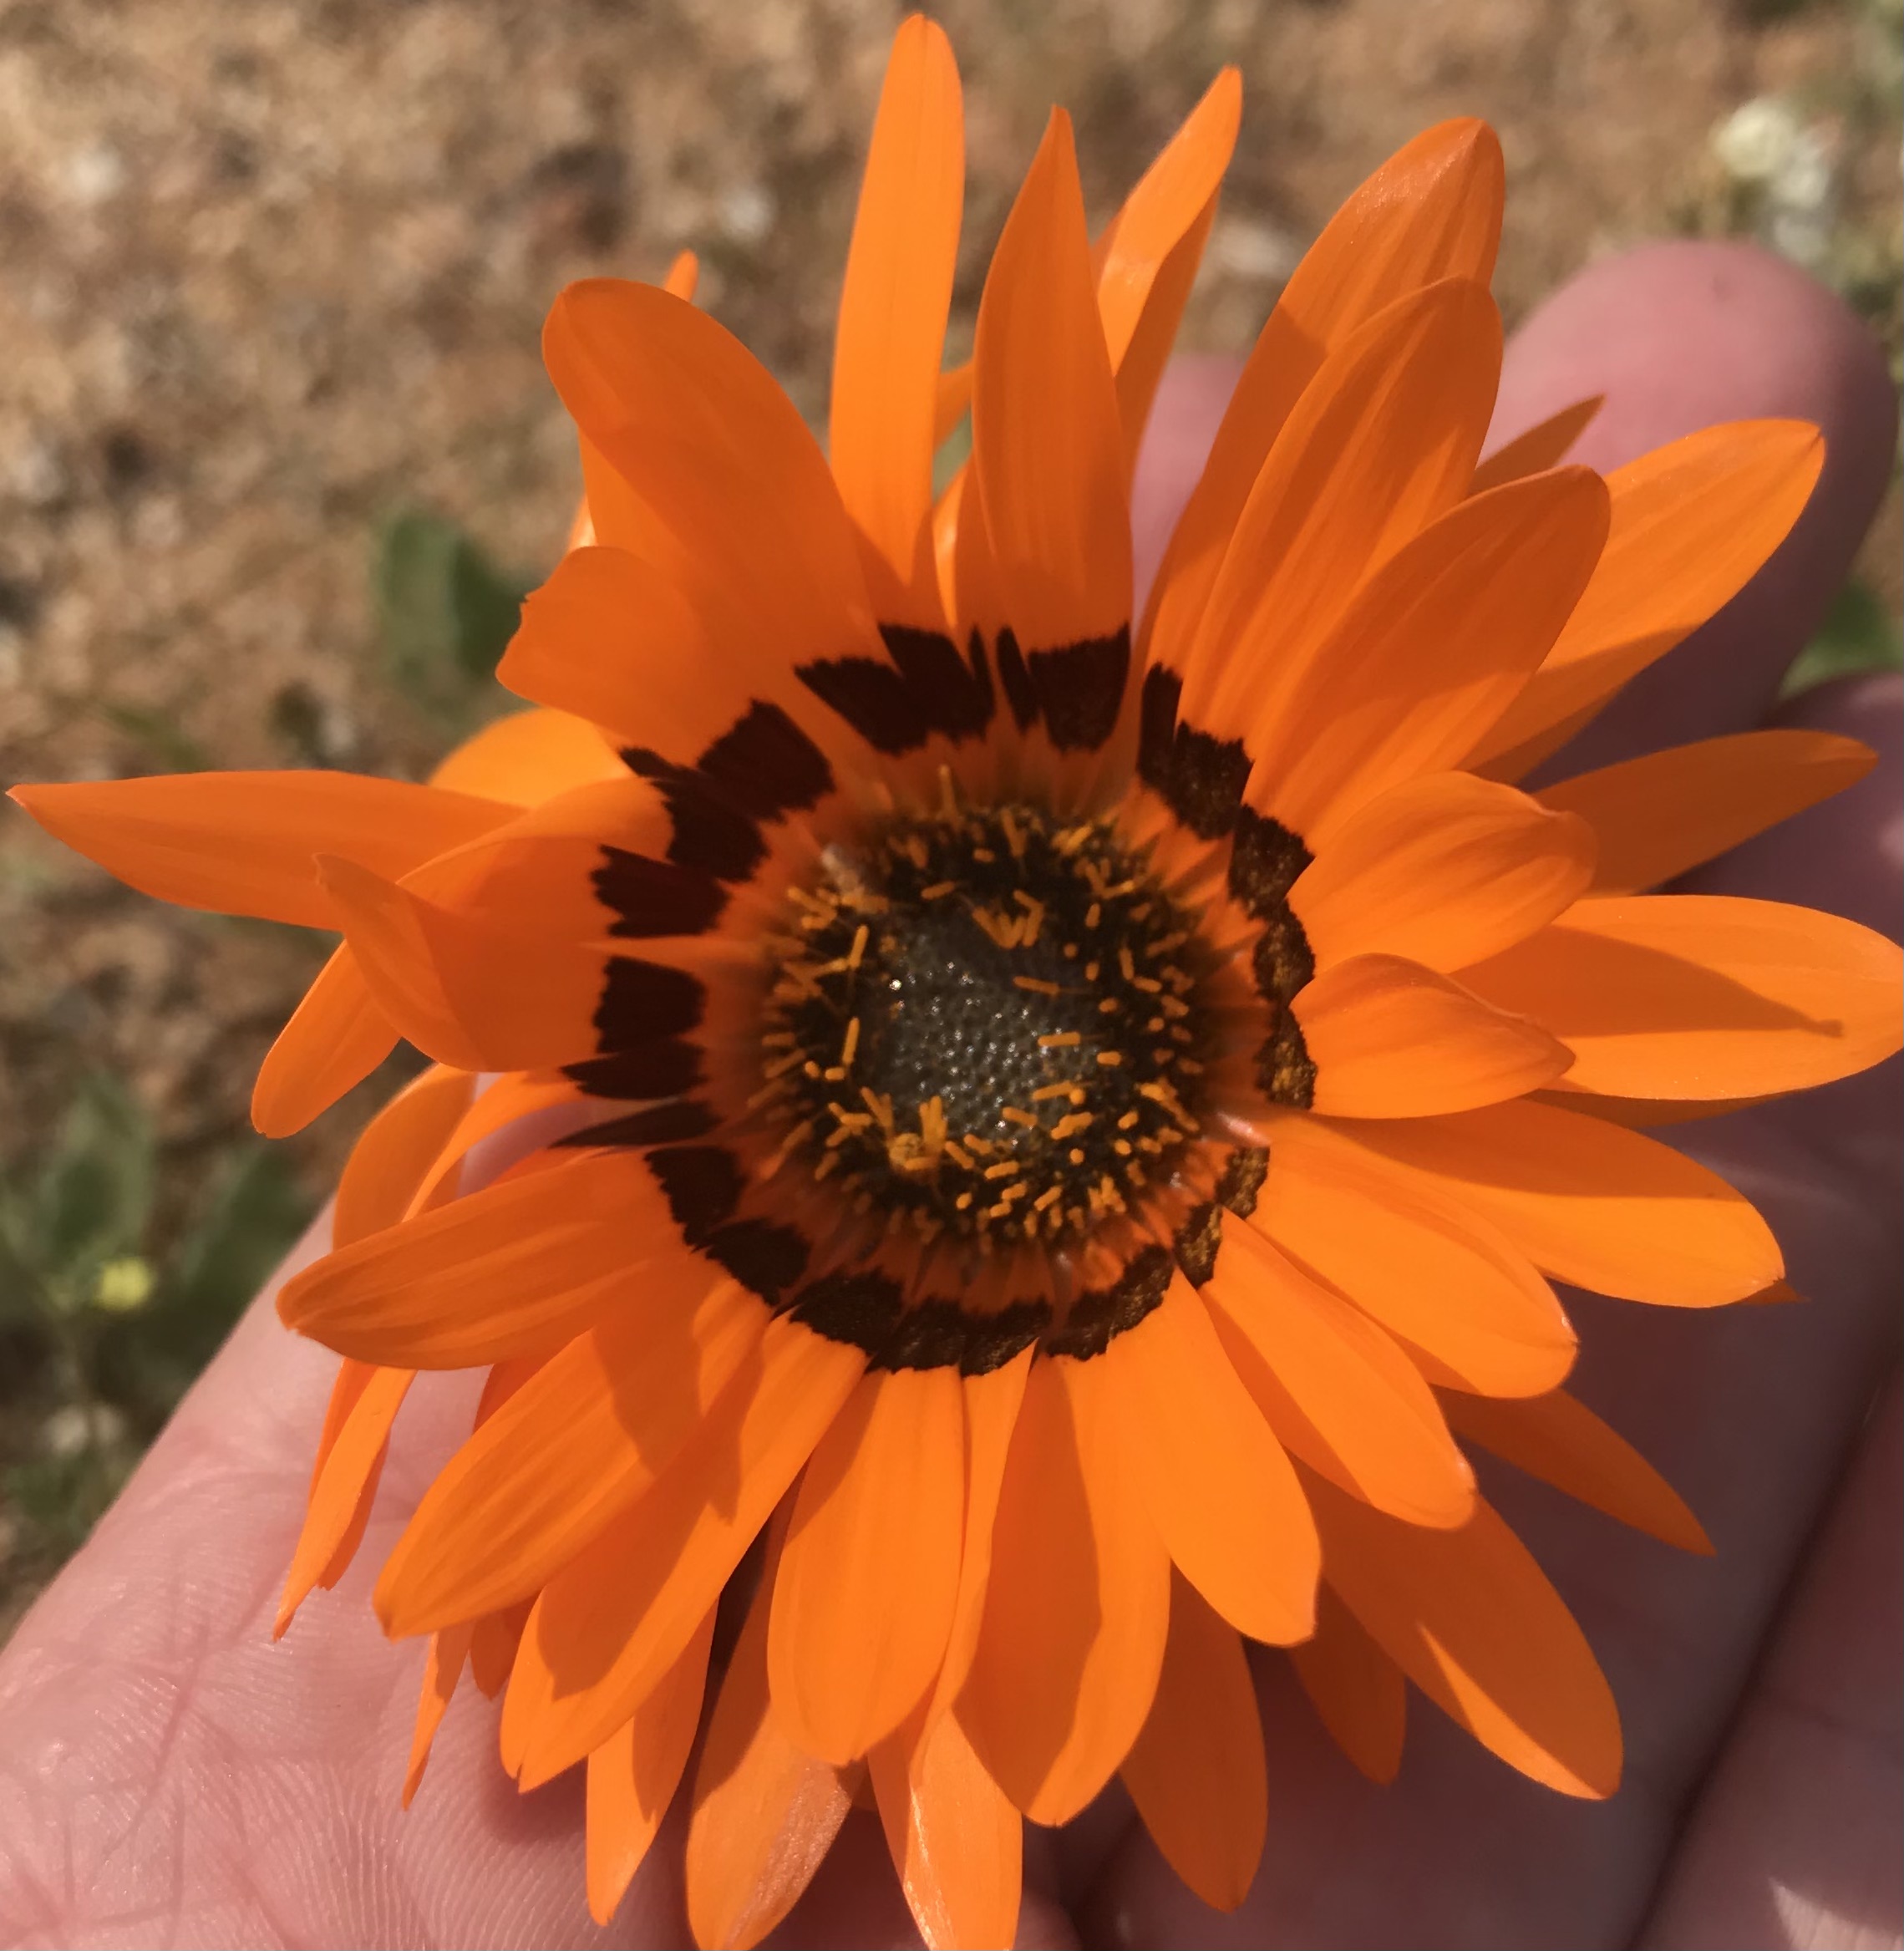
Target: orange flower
[(1071, 1116)]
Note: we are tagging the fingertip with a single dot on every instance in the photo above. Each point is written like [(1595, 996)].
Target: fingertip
[(1189, 408), (1684, 335)]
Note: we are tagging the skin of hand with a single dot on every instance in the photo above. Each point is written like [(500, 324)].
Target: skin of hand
[(168, 1775)]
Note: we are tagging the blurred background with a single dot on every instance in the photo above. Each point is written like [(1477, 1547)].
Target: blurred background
[(278, 459)]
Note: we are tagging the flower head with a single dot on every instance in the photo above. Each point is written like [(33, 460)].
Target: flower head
[(1065, 1117)]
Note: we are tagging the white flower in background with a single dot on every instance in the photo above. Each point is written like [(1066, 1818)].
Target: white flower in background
[(1803, 213), (1788, 165), (1753, 143)]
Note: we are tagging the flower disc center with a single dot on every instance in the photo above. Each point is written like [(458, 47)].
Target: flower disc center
[(993, 1026)]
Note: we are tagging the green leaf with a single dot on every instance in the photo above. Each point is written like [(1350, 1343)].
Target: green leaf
[(21, 1293), (1858, 634), (446, 612), (62, 1497), (93, 1199)]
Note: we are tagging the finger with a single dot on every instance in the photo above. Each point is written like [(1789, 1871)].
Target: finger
[(168, 1773), (1795, 1838), (1681, 335), (1748, 1413)]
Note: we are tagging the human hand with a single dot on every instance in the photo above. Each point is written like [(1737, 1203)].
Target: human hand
[(168, 1774)]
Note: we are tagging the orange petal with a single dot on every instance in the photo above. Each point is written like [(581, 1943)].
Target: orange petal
[(520, 1266), (1148, 256), (1392, 1040), (481, 951), (892, 322), (1219, 1488), (1558, 1439), (1383, 442), (966, 567), (464, 990), (1047, 447), (1077, 1608), (503, 1381), (1161, 207), (1471, 1619), (1592, 1204), (442, 1670), (1431, 211), (395, 952), (668, 665), (721, 485), (609, 506), (503, 1101), (1197, 1772), (1146, 260), (1704, 996), (342, 1490), (1545, 444), (1141, 369), (1431, 649), (765, 1810), (1356, 1690), (493, 1643), (992, 1405), (528, 757), (352, 1378), (956, 1841), (243, 843), (633, 1774), (1465, 1299), (578, 1443), (683, 276), (863, 1600), (336, 1036), (538, 873), (1334, 1388), (1656, 816), (352, 1536), (624, 1606), (395, 1151), (1692, 522), (1444, 869)]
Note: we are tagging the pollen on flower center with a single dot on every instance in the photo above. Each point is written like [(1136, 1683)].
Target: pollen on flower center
[(992, 1025)]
